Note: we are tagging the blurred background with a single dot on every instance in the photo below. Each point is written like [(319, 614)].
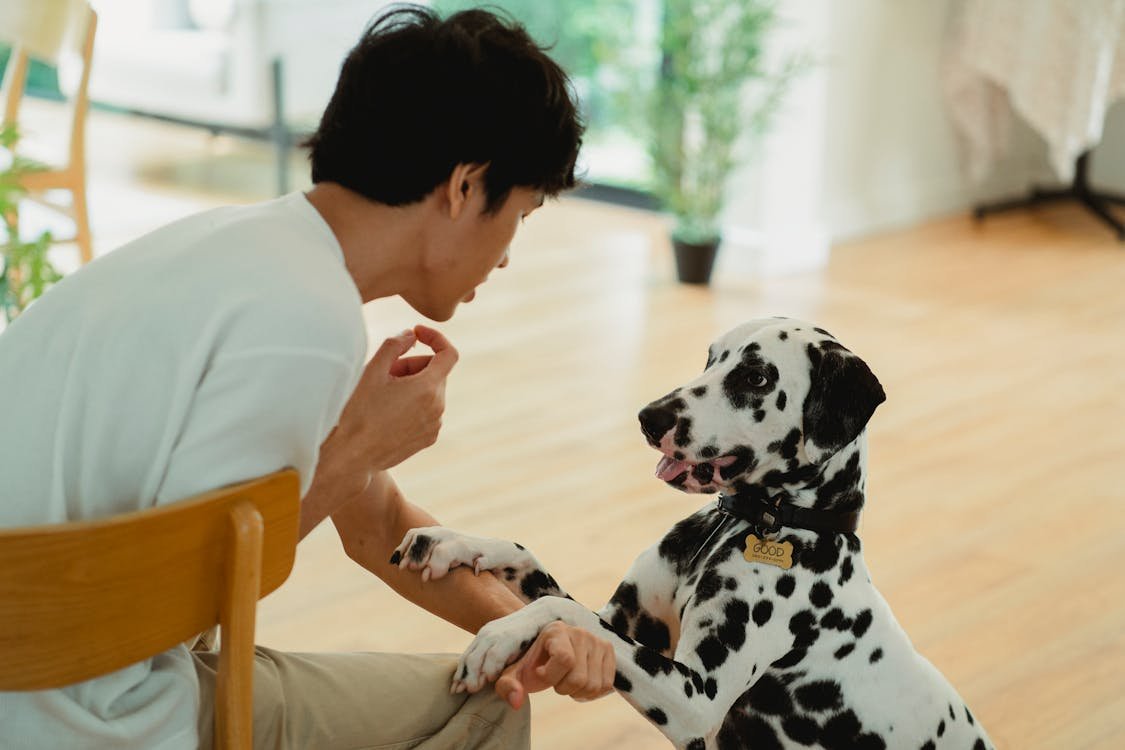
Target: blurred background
[(937, 182)]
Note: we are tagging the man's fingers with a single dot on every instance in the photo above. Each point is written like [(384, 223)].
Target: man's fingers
[(405, 366), (509, 688), (563, 667), (445, 355), (391, 349)]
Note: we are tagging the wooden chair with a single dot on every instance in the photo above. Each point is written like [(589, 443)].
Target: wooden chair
[(70, 176), (85, 598)]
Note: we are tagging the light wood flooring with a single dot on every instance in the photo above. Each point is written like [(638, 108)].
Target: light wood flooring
[(995, 523)]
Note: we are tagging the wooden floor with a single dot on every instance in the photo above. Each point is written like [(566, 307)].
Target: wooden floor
[(996, 517)]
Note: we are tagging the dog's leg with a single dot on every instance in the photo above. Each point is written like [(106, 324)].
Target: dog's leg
[(435, 550), (686, 698)]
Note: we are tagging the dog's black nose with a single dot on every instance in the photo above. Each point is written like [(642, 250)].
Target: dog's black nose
[(655, 422)]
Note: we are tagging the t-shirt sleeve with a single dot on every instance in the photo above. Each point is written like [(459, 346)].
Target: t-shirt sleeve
[(254, 413)]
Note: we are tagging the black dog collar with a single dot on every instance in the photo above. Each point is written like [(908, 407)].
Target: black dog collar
[(767, 518)]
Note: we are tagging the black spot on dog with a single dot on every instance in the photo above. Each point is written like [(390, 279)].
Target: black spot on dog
[(979, 744), (821, 695), (744, 460), (710, 584), (657, 716), (651, 661), (783, 335), (846, 571), (862, 623), (834, 620), (785, 585), (969, 716), (711, 688), (687, 689), (762, 611), (928, 745), (683, 432), (680, 544), (711, 652), (801, 729), (703, 473), (822, 555), (724, 355), (820, 595), (708, 452), (652, 632), (803, 627), (396, 558), (844, 731), (621, 682), (519, 546), (876, 655), (699, 391), (419, 548), (941, 728), (782, 399), (697, 744), (755, 732), (537, 584), (952, 715), (791, 659), (769, 695), (759, 415), (842, 491), (678, 455), (625, 598), (823, 332), (733, 631), (844, 650)]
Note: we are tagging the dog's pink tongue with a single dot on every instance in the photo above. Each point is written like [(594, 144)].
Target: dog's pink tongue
[(669, 468)]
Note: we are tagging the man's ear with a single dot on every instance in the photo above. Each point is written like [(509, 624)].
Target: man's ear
[(465, 184), (842, 397)]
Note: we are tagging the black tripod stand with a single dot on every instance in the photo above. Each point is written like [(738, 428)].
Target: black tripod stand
[(1079, 190)]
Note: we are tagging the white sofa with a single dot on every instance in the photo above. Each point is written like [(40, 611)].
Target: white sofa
[(261, 68)]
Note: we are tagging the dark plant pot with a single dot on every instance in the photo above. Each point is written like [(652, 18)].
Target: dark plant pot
[(694, 260)]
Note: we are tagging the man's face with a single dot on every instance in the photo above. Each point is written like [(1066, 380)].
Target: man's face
[(472, 246)]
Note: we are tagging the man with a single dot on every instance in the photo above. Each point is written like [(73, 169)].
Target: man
[(231, 344)]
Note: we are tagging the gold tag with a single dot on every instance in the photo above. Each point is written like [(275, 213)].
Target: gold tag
[(769, 552)]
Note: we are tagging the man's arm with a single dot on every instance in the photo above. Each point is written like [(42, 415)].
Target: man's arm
[(372, 525)]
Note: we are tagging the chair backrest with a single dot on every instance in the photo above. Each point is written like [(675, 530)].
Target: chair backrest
[(85, 598), (26, 47)]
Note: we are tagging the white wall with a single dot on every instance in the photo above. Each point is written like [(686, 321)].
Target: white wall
[(878, 151)]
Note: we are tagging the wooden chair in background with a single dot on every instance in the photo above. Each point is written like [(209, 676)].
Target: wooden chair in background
[(86, 598), (70, 176)]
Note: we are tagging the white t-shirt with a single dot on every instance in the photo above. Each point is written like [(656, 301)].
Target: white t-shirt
[(216, 349)]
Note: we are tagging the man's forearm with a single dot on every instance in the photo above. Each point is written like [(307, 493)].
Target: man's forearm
[(373, 524)]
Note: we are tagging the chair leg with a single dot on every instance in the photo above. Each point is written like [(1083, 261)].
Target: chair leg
[(82, 225)]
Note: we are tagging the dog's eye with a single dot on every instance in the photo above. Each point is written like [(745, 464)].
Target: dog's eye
[(757, 379)]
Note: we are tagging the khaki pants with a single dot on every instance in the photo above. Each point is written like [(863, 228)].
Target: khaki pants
[(364, 701)]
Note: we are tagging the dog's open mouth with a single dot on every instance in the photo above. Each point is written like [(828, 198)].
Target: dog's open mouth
[(671, 469)]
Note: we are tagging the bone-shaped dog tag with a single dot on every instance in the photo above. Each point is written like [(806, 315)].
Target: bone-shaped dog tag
[(769, 552)]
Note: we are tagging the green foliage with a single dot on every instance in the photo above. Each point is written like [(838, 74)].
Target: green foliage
[(593, 41), (712, 61), (27, 272)]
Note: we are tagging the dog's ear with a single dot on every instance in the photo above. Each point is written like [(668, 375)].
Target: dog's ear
[(842, 397)]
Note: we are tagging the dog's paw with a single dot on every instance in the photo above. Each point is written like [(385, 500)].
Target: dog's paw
[(435, 550), (497, 644)]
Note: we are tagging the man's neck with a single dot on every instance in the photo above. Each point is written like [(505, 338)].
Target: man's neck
[(381, 244)]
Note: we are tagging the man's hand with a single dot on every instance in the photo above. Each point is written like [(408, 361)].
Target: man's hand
[(569, 659), (395, 410)]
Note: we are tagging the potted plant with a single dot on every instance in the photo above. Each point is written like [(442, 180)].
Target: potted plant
[(26, 271), (711, 51)]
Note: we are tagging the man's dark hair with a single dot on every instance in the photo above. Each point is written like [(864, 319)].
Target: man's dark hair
[(418, 95)]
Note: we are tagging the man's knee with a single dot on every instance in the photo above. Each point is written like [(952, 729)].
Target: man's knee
[(496, 724)]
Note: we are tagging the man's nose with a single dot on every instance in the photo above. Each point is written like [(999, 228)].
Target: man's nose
[(656, 421)]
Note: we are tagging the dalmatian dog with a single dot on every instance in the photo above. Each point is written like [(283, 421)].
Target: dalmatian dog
[(753, 623)]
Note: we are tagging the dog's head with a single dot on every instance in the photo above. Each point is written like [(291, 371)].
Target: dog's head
[(777, 399)]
